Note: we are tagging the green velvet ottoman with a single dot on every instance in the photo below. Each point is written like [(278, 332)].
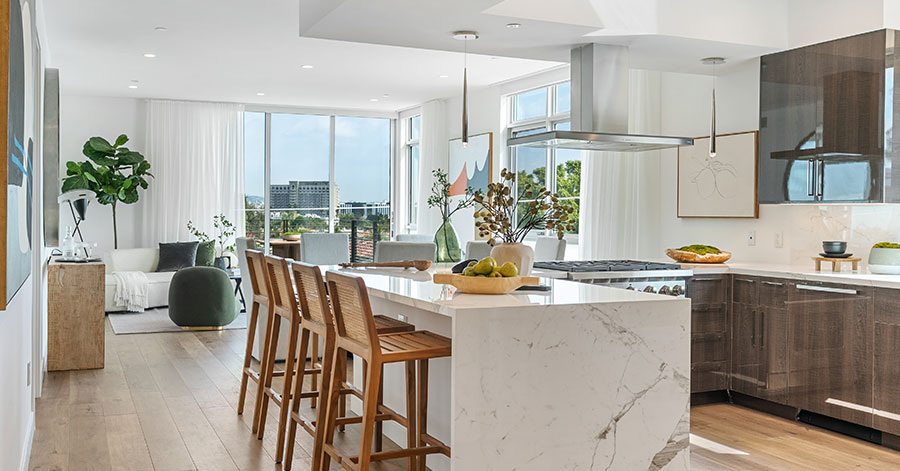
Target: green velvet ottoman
[(201, 298)]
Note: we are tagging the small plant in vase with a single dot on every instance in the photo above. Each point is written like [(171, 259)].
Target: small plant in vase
[(445, 237), (214, 248), (538, 209)]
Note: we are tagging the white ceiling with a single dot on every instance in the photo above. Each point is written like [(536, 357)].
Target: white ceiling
[(230, 50)]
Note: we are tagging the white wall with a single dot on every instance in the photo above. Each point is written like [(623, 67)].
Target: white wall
[(82, 117), (16, 413), (685, 111)]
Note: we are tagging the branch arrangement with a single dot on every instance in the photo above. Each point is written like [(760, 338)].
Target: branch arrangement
[(440, 196), (541, 209)]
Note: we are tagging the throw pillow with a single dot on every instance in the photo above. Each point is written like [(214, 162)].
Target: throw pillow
[(206, 253), (177, 255)]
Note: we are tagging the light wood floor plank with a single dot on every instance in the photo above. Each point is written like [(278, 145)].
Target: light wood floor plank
[(127, 447), (167, 448), (88, 449), (207, 451)]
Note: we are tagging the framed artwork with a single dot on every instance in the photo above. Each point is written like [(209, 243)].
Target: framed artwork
[(18, 108), (724, 186), (470, 166)]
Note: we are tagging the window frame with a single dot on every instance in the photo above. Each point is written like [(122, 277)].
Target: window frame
[(413, 186), (548, 122)]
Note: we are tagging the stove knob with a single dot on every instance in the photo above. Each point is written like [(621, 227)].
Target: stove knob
[(664, 289), (630, 288), (677, 290), (649, 289)]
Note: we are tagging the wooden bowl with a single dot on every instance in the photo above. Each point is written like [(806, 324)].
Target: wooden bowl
[(691, 257), (484, 285)]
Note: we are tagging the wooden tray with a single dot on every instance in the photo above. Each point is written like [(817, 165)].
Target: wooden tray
[(483, 285)]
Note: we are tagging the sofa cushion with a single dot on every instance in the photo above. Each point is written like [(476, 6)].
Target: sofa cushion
[(176, 255), (144, 260), (206, 254)]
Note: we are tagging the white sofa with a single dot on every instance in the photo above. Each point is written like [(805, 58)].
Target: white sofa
[(144, 260)]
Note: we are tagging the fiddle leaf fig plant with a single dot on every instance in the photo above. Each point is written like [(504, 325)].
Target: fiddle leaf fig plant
[(113, 172)]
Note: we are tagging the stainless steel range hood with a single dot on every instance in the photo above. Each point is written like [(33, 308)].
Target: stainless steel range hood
[(599, 111)]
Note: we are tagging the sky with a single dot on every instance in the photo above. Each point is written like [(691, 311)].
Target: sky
[(300, 146)]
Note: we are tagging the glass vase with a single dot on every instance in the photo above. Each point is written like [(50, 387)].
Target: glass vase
[(447, 244)]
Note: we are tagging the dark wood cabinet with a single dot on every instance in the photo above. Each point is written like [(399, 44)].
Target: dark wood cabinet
[(710, 302), (759, 338), (831, 353), (822, 121), (887, 361)]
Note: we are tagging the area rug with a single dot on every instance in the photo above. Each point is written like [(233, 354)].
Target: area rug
[(156, 320)]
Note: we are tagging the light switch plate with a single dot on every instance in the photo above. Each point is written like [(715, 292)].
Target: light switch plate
[(751, 238), (779, 240)]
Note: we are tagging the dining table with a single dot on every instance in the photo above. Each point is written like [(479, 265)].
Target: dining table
[(285, 248)]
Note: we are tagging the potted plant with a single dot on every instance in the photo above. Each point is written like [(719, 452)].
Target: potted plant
[(537, 207), (445, 237), (114, 173), (885, 258), (214, 249)]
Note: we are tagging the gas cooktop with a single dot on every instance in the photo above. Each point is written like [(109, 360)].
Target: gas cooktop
[(578, 266)]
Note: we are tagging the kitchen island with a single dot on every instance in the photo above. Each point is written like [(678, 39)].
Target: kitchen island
[(582, 377)]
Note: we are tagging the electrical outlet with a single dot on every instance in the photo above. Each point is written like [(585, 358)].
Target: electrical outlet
[(779, 240), (751, 238)]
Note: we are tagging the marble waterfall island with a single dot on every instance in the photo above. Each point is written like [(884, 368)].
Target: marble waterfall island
[(583, 377)]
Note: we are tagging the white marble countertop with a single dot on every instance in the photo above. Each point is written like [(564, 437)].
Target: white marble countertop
[(416, 289), (799, 272)]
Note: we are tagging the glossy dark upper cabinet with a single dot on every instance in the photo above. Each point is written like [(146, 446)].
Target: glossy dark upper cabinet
[(825, 120)]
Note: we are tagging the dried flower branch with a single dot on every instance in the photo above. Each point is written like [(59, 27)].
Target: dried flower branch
[(540, 209)]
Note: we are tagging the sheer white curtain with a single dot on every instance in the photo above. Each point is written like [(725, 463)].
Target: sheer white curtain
[(196, 150), (432, 155), (619, 191)]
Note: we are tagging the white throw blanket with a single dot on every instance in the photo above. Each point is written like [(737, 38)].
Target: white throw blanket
[(132, 289)]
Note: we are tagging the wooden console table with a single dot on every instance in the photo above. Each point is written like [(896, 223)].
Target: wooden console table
[(75, 317)]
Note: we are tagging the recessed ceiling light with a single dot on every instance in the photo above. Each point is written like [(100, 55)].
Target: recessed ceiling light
[(306, 66), (260, 94), (386, 95), (443, 76), (373, 99), (149, 55), (513, 25), (161, 29), (132, 86)]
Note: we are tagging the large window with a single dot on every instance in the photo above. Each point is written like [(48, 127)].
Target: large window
[(536, 111), (325, 174)]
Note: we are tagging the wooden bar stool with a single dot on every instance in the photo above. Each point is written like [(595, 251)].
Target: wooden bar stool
[(254, 269), (356, 334), (318, 320)]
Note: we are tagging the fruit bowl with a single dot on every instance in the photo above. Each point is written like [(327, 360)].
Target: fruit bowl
[(484, 284)]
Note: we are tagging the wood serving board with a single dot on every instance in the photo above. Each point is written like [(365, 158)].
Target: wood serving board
[(484, 285)]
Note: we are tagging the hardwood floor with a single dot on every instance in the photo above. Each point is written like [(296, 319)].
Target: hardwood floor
[(732, 438), (168, 401)]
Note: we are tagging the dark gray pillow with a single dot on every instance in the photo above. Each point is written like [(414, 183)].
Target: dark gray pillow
[(177, 255)]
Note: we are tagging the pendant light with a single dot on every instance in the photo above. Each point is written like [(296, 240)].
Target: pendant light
[(465, 36), (713, 61)]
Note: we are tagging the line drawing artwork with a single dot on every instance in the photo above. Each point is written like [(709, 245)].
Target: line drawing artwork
[(713, 178)]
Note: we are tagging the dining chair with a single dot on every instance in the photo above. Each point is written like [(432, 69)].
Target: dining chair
[(414, 238), (478, 249), (395, 251), (324, 248), (549, 248)]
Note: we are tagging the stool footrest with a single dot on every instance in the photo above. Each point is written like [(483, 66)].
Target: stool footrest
[(430, 440), (402, 453)]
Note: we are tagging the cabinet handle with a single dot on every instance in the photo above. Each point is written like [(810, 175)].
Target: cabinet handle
[(744, 280), (753, 331), (810, 177), (820, 177), (772, 283), (706, 279), (762, 329), (825, 289)]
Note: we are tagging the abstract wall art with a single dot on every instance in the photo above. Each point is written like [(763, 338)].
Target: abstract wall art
[(719, 186), (470, 165)]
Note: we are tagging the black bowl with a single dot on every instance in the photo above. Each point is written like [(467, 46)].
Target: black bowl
[(834, 247)]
